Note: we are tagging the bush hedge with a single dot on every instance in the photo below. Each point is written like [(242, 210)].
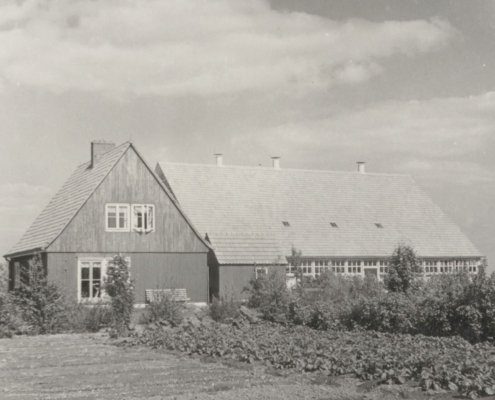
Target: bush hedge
[(445, 305)]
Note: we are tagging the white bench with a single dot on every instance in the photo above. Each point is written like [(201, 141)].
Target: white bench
[(155, 295)]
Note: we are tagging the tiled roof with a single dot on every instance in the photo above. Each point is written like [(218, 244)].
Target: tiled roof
[(242, 210), (67, 202), (247, 248)]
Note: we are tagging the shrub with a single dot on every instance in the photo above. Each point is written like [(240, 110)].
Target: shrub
[(10, 323), (437, 302), (165, 310), (223, 309), (4, 277), (88, 318), (120, 288), (480, 294), (40, 302), (391, 312), (328, 303), (403, 269), (269, 294)]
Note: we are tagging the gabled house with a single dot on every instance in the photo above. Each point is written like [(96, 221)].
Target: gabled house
[(207, 230), (345, 222), (114, 204)]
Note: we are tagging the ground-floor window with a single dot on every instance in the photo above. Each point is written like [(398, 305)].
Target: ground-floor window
[(91, 277)]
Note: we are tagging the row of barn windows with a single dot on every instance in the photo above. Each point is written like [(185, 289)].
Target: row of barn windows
[(317, 267), (121, 217)]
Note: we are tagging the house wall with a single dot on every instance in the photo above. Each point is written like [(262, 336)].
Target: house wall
[(129, 182), (148, 270), (172, 256), (234, 278)]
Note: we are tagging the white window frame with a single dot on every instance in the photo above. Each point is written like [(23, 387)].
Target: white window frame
[(119, 207), (104, 266), (103, 274), (134, 221), (257, 271)]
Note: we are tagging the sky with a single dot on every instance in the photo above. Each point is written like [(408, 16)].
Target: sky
[(408, 87)]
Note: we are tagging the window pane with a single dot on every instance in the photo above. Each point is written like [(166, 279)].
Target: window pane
[(96, 288), (112, 221), (85, 273), (85, 289), (111, 216), (151, 223), (122, 220), (96, 273), (138, 217)]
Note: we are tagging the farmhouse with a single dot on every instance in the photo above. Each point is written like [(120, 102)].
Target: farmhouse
[(114, 204), (207, 230), (345, 222)]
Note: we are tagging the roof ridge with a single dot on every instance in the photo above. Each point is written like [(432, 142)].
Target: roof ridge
[(253, 167)]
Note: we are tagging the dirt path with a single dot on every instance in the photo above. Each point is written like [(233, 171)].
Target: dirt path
[(88, 367)]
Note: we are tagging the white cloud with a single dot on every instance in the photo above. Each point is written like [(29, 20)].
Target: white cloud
[(20, 203), (166, 48), (440, 137)]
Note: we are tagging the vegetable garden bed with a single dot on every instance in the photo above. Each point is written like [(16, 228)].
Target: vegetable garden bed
[(433, 363)]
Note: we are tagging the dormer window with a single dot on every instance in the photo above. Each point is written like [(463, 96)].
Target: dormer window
[(143, 217), (117, 217)]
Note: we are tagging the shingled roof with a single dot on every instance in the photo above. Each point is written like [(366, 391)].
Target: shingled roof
[(256, 214), (67, 202)]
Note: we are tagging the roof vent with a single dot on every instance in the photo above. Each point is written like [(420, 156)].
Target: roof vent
[(361, 167), (286, 223), (98, 148), (276, 162), (378, 225), (219, 159)]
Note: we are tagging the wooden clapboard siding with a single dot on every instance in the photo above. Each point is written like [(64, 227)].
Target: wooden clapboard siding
[(148, 271), (62, 270), (172, 270), (234, 278), (128, 182)]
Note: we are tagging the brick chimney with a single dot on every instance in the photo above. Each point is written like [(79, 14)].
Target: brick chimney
[(98, 148), (361, 167)]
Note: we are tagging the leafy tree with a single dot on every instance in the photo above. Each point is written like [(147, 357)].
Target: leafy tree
[(269, 294), (403, 268), (41, 302), (120, 288)]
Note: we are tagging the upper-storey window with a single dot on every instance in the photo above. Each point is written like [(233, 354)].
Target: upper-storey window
[(143, 217), (117, 217)]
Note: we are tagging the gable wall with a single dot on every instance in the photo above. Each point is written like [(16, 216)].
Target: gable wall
[(128, 182)]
